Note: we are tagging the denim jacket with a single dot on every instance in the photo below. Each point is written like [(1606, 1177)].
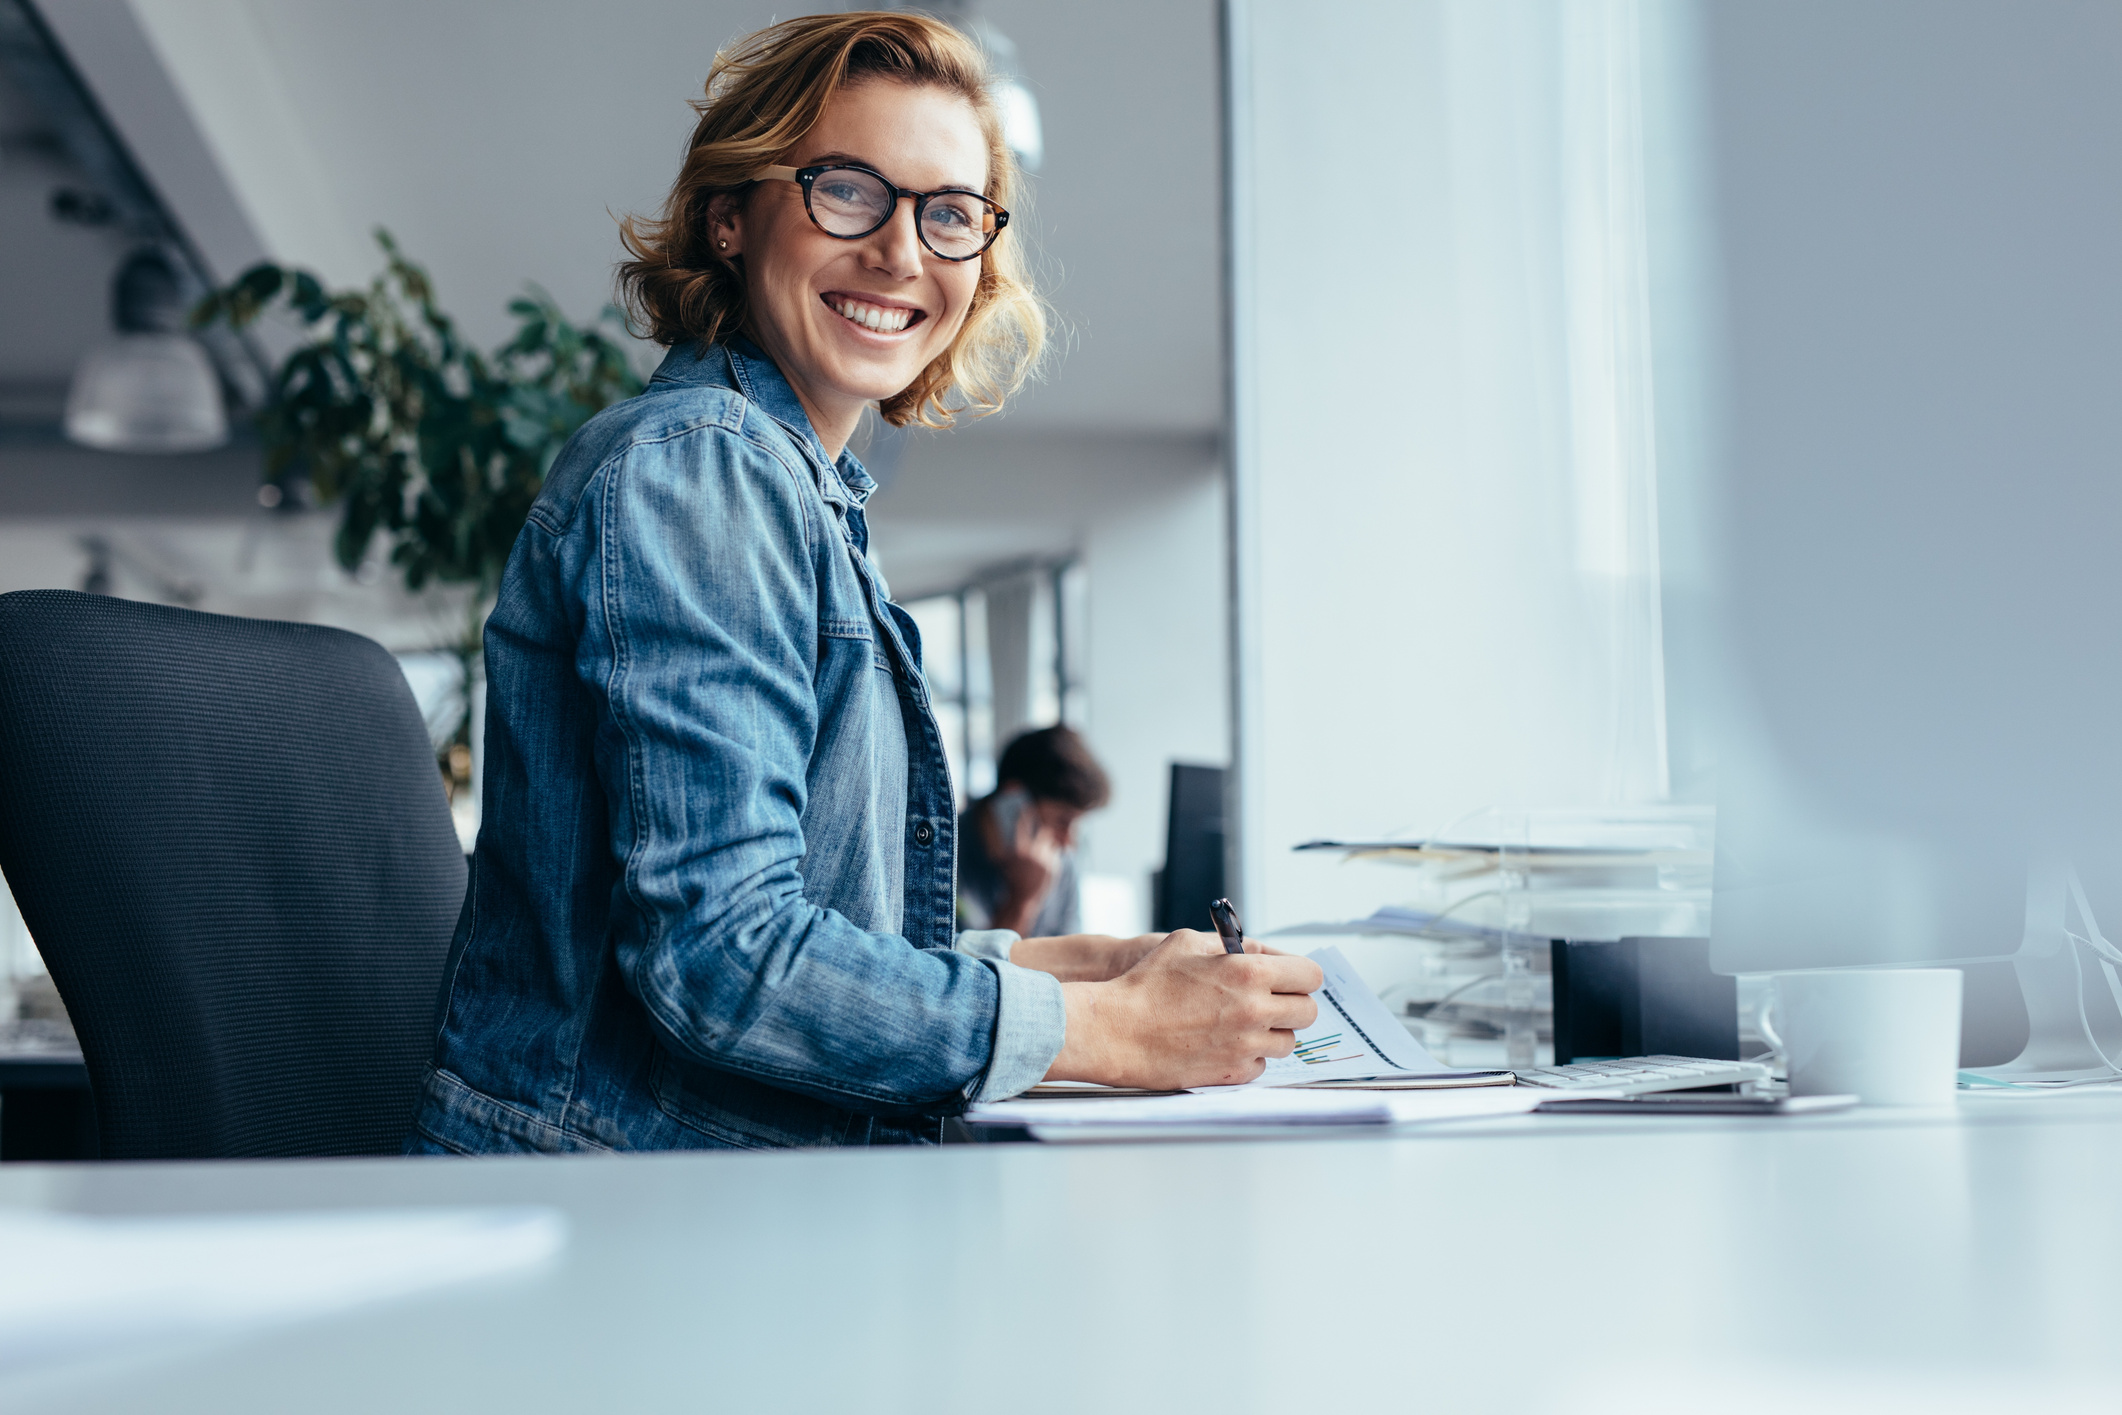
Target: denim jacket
[(713, 898)]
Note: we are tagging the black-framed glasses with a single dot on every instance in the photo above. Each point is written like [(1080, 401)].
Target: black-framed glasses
[(850, 202)]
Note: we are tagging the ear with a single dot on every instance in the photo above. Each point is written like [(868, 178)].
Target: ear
[(725, 224)]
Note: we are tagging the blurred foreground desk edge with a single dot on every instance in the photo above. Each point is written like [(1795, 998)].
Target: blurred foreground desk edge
[(1966, 1250)]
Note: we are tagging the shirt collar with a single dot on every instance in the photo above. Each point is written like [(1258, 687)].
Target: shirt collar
[(742, 365)]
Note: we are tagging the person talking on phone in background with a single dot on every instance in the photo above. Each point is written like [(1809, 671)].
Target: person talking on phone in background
[(1017, 845)]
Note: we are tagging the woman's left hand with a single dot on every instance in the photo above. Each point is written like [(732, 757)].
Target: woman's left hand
[(1083, 958), (1094, 958)]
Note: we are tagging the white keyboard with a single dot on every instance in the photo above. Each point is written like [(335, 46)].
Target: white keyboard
[(1641, 1075)]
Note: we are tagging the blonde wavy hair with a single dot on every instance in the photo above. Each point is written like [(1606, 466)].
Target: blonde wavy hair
[(763, 94)]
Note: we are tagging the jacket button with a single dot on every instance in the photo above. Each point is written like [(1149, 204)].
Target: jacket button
[(923, 833)]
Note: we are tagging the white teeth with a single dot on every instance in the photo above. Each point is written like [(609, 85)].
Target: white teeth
[(875, 317)]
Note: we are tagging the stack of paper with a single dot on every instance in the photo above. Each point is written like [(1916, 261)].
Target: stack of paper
[(1222, 1105), (1242, 1107)]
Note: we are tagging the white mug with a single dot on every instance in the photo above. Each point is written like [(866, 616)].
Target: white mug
[(1890, 1035)]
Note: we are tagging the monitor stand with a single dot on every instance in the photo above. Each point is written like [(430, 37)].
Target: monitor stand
[(2053, 979)]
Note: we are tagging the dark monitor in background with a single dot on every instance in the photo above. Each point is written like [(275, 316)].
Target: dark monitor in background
[(1193, 850)]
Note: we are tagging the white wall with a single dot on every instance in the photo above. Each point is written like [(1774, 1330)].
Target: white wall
[(1158, 664), (492, 141), (1447, 533)]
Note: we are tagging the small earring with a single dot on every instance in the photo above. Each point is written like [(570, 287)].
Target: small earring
[(721, 245)]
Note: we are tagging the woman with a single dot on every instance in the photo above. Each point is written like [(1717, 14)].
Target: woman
[(712, 903)]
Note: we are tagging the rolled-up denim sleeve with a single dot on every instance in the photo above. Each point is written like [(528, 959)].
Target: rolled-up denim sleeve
[(699, 643), (1030, 1018)]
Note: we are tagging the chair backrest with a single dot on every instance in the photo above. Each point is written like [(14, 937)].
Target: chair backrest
[(230, 841)]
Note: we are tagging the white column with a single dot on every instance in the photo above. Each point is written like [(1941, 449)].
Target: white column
[(1444, 496), (1010, 605)]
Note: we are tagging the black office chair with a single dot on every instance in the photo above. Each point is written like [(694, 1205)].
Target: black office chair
[(230, 842)]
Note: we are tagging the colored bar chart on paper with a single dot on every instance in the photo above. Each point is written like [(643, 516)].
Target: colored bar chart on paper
[(1323, 1051), (1353, 1039)]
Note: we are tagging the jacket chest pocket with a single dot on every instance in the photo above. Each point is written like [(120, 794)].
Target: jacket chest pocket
[(856, 604), (840, 636)]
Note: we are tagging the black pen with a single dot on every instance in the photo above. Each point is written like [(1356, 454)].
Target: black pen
[(1227, 926)]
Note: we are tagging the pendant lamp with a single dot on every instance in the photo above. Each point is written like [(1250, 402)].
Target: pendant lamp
[(153, 388)]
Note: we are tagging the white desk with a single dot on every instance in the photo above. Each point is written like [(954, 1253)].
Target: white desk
[(1697, 1265)]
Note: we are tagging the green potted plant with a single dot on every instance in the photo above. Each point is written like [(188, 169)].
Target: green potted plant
[(418, 436)]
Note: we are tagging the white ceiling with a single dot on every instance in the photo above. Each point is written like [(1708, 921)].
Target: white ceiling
[(55, 291), (499, 143)]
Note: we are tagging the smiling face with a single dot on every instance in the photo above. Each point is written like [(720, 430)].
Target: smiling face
[(852, 322)]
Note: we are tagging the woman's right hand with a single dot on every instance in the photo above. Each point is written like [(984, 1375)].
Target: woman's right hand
[(1188, 1014)]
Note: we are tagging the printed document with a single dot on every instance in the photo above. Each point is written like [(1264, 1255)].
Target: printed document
[(1356, 1039), (1355, 1049)]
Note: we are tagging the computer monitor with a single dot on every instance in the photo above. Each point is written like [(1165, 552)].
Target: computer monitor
[(1915, 212), (1193, 849)]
